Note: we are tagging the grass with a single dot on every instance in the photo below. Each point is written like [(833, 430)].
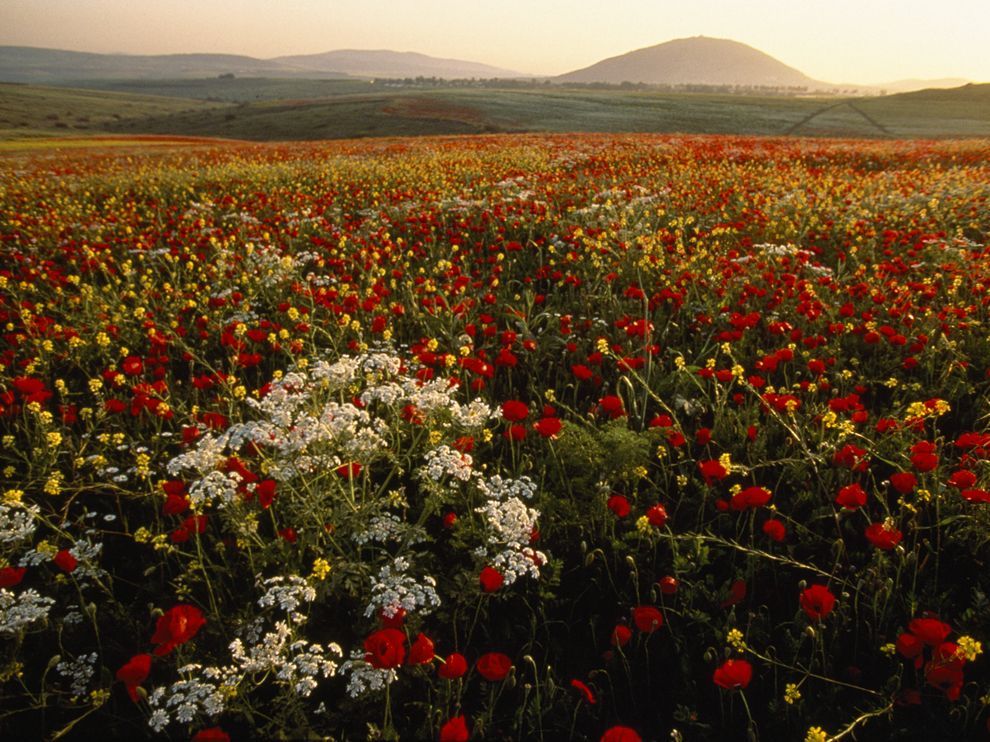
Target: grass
[(331, 109), (36, 111)]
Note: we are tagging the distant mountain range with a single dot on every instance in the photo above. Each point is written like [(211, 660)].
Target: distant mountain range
[(682, 62), (56, 66)]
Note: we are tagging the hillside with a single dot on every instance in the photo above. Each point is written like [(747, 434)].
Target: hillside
[(695, 61), (385, 63), (54, 66)]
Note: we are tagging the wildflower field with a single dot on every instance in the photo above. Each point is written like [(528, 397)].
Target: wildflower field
[(511, 437)]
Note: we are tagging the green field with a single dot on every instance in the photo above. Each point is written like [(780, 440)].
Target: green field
[(264, 109)]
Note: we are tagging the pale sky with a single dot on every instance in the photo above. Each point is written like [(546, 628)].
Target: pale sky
[(840, 41)]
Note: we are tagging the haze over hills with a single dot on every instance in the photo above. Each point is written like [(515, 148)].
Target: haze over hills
[(35, 65), (53, 66), (682, 62), (385, 63), (699, 60)]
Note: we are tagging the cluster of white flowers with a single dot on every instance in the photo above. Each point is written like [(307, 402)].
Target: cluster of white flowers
[(184, 700), (497, 488), (389, 528), (277, 653), (79, 671), (288, 593), (17, 522), (295, 662), (87, 554), (394, 589), (511, 524), (18, 611), (444, 461), (362, 677)]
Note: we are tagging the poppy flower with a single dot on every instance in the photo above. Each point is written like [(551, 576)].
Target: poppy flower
[(385, 648), (621, 635), (421, 651), (611, 405), (493, 666), (584, 690), (737, 593), (619, 505), (10, 576), (909, 646), (178, 625), (455, 730), (775, 529), (945, 670), (133, 673), (733, 674), (620, 733), (852, 457), (882, 537), (548, 427), (65, 561), (213, 734), (930, 630), (817, 602), (851, 497), (515, 411), (348, 471), (962, 479), (712, 470), (453, 666), (923, 456), (647, 618), (750, 498), (668, 585), (903, 482), (656, 515), (491, 579)]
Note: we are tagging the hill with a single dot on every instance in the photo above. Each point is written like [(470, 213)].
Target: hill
[(53, 66), (695, 61), (385, 63), (57, 66)]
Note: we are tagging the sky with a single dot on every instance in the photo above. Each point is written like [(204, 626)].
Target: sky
[(838, 41)]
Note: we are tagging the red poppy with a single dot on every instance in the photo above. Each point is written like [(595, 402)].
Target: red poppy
[(712, 470), (851, 497), (493, 666), (962, 479), (421, 651), (647, 618), (134, 673), (750, 498), (213, 734), (737, 593), (65, 561), (619, 505), (668, 585), (817, 602), (656, 515), (909, 645), (903, 482), (945, 670), (621, 635), (132, 366), (455, 730), (775, 529), (733, 674), (348, 471), (10, 576), (515, 433), (453, 666), (178, 625), (585, 691), (491, 579), (265, 492), (930, 630), (548, 427), (620, 733), (882, 537), (385, 648), (923, 456), (852, 457), (611, 405), (515, 411)]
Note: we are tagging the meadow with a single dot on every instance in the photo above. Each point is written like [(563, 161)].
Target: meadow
[(586, 436)]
